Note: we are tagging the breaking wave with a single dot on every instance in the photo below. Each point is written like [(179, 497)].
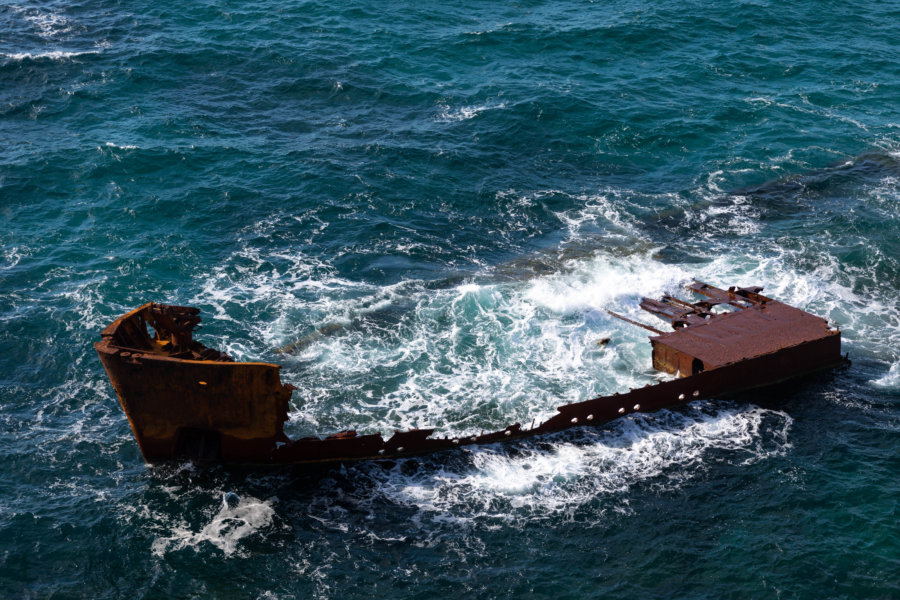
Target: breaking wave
[(511, 342), (48, 55), (582, 474), (891, 380)]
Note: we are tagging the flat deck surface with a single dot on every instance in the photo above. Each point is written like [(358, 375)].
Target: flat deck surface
[(746, 333)]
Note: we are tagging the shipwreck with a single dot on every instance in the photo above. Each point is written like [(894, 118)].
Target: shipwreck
[(186, 401)]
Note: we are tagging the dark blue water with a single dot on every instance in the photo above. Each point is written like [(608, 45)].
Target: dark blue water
[(438, 202)]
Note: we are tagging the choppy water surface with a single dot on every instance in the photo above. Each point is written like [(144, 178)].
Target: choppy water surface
[(436, 204)]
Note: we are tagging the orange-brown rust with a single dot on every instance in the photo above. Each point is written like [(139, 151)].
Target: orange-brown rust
[(753, 325), (183, 399), (171, 387)]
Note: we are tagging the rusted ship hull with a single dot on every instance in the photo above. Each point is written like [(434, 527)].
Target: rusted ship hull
[(193, 401), (184, 400)]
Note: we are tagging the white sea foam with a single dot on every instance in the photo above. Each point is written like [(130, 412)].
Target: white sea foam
[(12, 256), (470, 357), (225, 530), (607, 211), (558, 477), (464, 113), (307, 284), (85, 297), (605, 282), (47, 24), (121, 146), (55, 28), (48, 55), (484, 354), (891, 380), (740, 216)]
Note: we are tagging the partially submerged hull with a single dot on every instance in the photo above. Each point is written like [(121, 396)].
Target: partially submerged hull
[(184, 400)]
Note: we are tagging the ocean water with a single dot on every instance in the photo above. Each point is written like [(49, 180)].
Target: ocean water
[(436, 202)]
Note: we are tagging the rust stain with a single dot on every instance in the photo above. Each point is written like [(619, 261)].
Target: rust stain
[(184, 400)]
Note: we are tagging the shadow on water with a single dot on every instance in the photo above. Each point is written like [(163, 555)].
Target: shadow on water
[(844, 211), (782, 197), (837, 178)]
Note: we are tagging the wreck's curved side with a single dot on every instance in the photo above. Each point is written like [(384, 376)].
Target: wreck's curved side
[(183, 399)]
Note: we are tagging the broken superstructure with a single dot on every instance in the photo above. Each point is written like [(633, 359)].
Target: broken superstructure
[(184, 400)]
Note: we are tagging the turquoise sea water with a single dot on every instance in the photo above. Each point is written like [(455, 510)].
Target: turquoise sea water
[(455, 192)]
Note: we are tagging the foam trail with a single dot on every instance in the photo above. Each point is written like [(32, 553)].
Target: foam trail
[(235, 521), (556, 478), (50, 55)]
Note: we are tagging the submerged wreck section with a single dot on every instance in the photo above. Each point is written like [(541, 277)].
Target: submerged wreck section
[(184, 400)]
